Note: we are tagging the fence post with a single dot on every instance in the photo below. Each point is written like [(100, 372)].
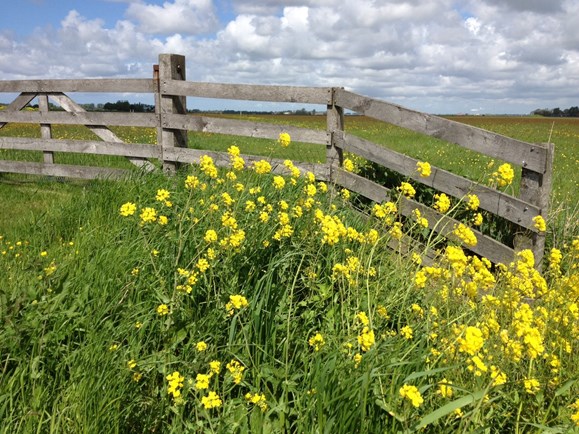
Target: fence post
[(334, 129), (171, 67), (536, 189), (45, 129)]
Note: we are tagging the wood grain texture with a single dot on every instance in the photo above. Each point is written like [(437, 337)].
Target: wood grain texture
[(248, 92)]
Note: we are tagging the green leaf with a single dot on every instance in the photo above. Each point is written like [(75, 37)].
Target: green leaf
[(428, 373), (449, 408), (565, 387)]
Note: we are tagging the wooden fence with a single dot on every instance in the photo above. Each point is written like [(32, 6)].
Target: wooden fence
[(172, 123)]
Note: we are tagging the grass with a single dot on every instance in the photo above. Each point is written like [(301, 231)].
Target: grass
[(334, 325)]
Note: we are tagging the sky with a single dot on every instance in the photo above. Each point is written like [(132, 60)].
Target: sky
[(436, 56)]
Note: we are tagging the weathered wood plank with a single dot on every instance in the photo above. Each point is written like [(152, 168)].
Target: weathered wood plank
[(242, 128), (334, 131), (249, 92), (81, 118), (536, 188), (45, 129), (499, 203), (529, 156), (486, 246), (136, 150), (62, 170), (171, 68), (114, 85)]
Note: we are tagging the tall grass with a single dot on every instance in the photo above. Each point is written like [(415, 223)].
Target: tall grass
[(104, 313)]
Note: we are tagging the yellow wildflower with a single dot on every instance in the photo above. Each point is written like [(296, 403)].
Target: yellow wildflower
[(262, 167), (317, 341), (406, 189), (201, 346), (212, 400), (412, 394), (444, 388), (348, 165), (257, 399), (126, 210), (162, 309), (202, 381), (366, 339), (236, 370), (423, 168), (539, 223), (284, 140), (442, 203)]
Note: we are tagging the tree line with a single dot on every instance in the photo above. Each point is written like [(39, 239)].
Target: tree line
[(571, 112)]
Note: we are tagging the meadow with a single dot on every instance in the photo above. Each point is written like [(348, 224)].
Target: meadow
[(235, 300)]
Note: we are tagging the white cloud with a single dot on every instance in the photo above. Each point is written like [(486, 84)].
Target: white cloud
[(181, 16), (501, 56)]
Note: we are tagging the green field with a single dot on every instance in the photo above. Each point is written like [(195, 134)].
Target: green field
[(225, 300)]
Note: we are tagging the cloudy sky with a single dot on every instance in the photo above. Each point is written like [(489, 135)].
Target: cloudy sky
[(438, 56)]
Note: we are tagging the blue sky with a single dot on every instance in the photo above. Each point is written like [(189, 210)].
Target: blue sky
[(438, 56)]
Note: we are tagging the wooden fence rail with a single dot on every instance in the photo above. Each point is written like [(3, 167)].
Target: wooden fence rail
[(173, 123)]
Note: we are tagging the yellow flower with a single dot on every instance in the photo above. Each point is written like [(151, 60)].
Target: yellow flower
[(201, 346), (317, 341), (233, 151), (284, 140), (210, 236), (215, 366), (444, 388), (278, 182), (212, 400), (162, 195), (262, 167), (406, 332), (137, 377), (366, 339), (131, 364), (532, 385), (442, 203), (175, 384), (406, 189), (473, 202), (162, 309), (191, 182), (477, 220), (472, 341), (348, 165), (539, 223), (412, 394), (423, 168), (126, 210), (202, 381), (257, 399), (148, 215), (208, 166), (236, 370), (363, 318), (163, 220), (235, 302), (503, 176), (465, 234)]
